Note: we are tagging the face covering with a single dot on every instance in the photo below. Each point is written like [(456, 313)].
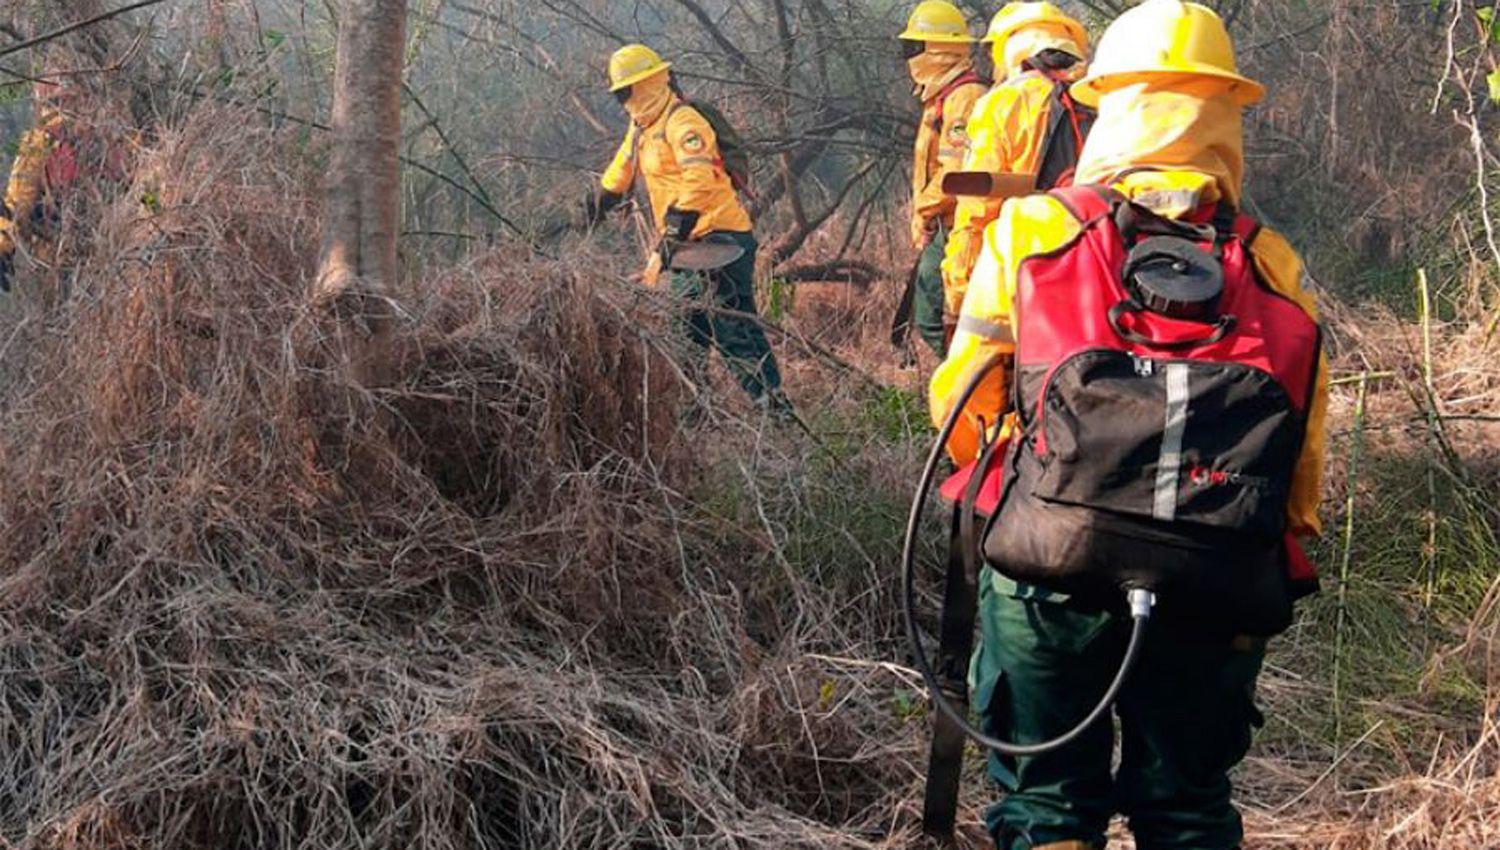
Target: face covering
[(1192, 126), (648, 99), (936, 66)]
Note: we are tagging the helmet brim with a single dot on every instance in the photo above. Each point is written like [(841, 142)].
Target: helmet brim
[(643, 75), (912, 35), (1244, 91), (1074, 30)]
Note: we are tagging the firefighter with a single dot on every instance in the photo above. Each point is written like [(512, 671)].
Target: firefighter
[(1027, 124), (675, 150), (938, 50), (1168, 139), (53, 160)]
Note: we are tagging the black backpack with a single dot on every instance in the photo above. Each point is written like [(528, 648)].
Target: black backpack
[(1067, 128)]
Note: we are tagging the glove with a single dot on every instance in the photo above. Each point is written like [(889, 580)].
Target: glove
[(680, 224), (598, 205)]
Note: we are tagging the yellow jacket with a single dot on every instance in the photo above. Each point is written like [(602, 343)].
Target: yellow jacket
[(1007, 133), (941, 143), (27, 178), (677, 154), (1038, 224)]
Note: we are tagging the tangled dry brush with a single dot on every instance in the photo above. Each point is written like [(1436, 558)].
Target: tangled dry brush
[(248, 604)]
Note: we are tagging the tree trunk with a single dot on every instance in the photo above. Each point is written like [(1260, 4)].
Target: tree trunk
[(358, 269)]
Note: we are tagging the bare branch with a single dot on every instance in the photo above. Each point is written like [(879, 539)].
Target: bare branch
[(70, 28)]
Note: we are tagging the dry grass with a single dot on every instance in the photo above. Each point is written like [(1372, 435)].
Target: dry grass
[(249, 605)]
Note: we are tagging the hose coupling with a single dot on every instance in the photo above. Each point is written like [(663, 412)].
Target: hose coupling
[(1142, 601)]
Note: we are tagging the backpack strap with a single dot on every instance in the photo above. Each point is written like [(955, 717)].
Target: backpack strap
[(1243, 225), (1080, 117), (636, 131), (965, 79), (1229, 222), (640, 131)]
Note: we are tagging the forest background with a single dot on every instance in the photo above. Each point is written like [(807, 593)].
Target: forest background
[(503, 596)]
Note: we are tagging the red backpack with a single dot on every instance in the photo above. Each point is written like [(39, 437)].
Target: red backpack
[(1162, 390), (74, 155)]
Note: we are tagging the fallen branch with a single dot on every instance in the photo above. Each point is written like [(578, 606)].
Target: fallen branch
[(856, 272)]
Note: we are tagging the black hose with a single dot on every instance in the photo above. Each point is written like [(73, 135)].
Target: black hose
[(1140, 600)]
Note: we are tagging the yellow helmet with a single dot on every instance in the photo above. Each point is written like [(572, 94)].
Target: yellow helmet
[(939, 22), (1164, 38), (633, 63), (1017, 16)]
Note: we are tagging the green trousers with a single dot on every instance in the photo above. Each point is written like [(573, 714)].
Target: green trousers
[(1184, 720), (927, 299), (740, 341)]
